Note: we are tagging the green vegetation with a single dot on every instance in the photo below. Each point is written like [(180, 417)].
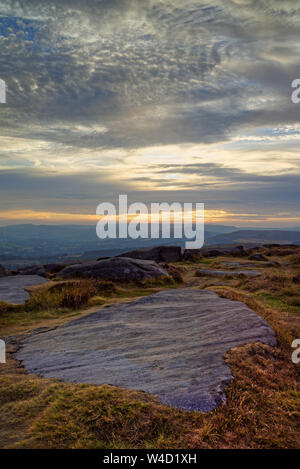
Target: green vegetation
[(63, 300), (276, 289), (262, 409), (280, 302)]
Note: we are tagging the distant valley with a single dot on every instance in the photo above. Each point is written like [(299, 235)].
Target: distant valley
[(32, 244)]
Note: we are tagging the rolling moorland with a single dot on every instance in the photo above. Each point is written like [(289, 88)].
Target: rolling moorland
[(262, 406), (34, 244)]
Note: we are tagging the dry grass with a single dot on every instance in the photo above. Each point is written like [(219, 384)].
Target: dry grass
[(70, 295), (41, 413), (59, 301), (262, 409), (277, 289), (294, 260)]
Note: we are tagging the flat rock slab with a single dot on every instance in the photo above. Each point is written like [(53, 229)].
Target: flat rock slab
[(170, 344), (242, 265), (12, 289), (222, 273)]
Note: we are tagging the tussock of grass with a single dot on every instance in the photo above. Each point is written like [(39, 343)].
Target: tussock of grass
[(71, 295), (295, 260), (204, 261), (103, 417), (9, 308), (65, 299), (165, 281), (16, 391), (262, 409), (271, 281)]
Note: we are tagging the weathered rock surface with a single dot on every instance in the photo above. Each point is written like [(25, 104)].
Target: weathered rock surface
[(171, 344), (234, 265), (208, 252), (222, 273), (41, 269), (12, 289), (214, 251), (116, 268), (157, 253), (32, 270), (238, 251)]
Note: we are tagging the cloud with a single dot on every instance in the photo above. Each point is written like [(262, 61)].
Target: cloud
[(93, 86)]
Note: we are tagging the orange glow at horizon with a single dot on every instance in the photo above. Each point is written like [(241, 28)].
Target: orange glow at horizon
[(211, 216)]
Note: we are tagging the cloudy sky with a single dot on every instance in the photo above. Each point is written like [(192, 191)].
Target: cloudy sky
[(186, 101)]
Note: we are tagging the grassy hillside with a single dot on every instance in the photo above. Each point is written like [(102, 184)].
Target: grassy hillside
[(258, 237)]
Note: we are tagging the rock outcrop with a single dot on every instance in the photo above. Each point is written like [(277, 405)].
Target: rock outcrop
[(115, 269), (32, 270), (222, 273), (243, 265), (12, 289), (170, 344), (214, 251), (157, 253), (42, 269)]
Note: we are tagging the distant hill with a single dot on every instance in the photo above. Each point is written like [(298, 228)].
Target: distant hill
[(29, 244), (257, 236), (285, 228), (33, 244)]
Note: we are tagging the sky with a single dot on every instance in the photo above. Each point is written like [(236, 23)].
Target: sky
[(182, 100)]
